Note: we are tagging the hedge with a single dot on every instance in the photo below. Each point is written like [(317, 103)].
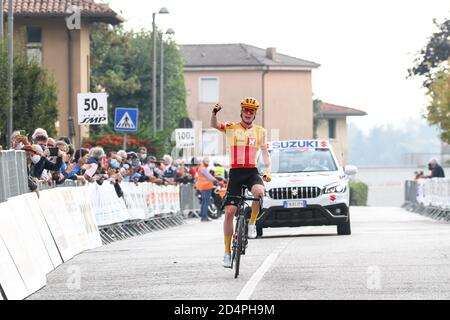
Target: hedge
[(358, 193)]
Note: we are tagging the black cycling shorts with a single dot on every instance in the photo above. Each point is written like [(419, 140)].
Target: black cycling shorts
[(237, 178)]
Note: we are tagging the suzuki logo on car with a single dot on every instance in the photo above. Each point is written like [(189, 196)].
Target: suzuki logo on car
[(333, 198), (295, 144)]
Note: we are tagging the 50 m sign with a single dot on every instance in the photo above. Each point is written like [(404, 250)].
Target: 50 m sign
[(92, 108)]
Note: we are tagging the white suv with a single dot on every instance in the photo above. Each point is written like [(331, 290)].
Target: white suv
[(308, 187)]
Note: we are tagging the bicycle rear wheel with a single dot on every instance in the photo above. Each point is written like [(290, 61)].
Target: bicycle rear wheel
[(239, 244)]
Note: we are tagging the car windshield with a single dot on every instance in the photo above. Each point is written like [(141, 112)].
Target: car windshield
[(300, 160)]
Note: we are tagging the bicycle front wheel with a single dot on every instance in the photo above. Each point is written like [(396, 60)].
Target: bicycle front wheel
[(239, 243)]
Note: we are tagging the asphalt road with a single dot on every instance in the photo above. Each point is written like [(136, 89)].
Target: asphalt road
[(391, 254)]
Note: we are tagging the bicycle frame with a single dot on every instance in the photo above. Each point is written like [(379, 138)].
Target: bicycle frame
[(240, 232)]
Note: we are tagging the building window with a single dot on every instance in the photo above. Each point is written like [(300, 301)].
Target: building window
[(34, 44), (331, 128), (209, 90)]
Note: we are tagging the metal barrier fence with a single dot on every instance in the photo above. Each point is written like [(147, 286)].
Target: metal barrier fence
[(13, 174), (190, 204), (428, 197), (411, 192)]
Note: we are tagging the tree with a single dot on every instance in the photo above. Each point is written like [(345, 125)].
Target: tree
[(438, 111), (34, 96), (433, 57), (122, 65), (433, 63)]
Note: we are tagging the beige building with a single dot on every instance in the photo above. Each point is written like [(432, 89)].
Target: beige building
[(226, 73), (63, 47), (333, 126)]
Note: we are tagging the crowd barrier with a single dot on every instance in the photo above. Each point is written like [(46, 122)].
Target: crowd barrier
[(39, 234), (13, 174), (429, 197)]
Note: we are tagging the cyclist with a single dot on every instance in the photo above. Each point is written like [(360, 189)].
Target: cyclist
[(243, 141)]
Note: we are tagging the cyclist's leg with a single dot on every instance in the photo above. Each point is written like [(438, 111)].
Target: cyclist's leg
[(256, 186), (230, 211), (230, 204)]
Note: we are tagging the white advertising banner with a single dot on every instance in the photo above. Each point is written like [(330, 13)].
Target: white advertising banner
[(16, 244), (80, 225), (38, 220), (10, 279), (30, 234), (52, 208), (91, 228), (135, 200), (107, 207)]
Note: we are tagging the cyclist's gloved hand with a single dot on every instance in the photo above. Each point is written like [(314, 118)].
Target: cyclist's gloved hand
[(267, 177), (217, 108)]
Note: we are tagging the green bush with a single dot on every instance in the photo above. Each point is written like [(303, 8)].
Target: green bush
[(358, 193)]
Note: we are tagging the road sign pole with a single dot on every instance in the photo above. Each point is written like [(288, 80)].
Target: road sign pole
[(125, 136)]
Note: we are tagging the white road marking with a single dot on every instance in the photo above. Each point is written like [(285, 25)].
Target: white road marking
[(250, 286)]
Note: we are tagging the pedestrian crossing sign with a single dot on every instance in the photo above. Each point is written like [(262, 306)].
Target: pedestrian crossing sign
[(126, 119)]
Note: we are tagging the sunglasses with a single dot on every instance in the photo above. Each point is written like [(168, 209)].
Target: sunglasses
[(249, 110)]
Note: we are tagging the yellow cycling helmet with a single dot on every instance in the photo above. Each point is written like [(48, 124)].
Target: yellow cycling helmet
[(250, 102)]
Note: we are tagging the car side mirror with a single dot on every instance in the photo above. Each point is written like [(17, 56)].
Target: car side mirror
[(350, 170)]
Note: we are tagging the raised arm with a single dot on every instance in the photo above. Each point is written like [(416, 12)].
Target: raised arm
[(214, 122)]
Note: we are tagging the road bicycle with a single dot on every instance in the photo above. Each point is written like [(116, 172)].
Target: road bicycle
[(240, 239)]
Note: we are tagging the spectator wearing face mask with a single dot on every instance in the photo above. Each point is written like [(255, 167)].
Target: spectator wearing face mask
[(149, 171), (30, 152), (142, 154), (74, 170), (93, 165)]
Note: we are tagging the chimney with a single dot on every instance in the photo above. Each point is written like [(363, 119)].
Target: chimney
[(271, 53)]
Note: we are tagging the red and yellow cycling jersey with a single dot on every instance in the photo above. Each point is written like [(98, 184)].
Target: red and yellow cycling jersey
[(243, 143)]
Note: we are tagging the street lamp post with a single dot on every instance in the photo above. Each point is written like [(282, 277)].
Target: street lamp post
[(1, 20), (161, 11), (161, 85), (10, 65)]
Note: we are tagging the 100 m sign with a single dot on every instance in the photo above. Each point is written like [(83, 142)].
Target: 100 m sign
[(185, 138)]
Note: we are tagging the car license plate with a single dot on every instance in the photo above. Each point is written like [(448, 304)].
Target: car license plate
[(295, 204)]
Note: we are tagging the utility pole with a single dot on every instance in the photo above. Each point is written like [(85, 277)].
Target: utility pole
[(161, 85), (10, 66), (1, 20), (154, 76)]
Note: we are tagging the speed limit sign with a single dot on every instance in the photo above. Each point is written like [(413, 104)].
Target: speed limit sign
[(92, 108)]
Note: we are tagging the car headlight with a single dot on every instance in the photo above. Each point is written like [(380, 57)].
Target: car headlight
[(337, 187)]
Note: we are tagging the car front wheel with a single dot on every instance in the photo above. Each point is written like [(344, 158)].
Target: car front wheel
[(344, 229)]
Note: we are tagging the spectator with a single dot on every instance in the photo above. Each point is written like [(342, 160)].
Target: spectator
[(142, 153), (74, 170), (93, 165), (39, 134), (41, 163), (436, 169), (205, 184), (30, 153), (149, 171), (18, 141), (169, 170), (123, 155), (220, 171), (66, 140)]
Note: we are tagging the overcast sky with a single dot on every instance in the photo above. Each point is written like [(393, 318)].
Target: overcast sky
[(364, 47)]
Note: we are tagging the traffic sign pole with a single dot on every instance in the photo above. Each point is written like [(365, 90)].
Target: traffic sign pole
[(125, 136)]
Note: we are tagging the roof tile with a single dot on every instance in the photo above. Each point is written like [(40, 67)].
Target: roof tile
[(59, 7)]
